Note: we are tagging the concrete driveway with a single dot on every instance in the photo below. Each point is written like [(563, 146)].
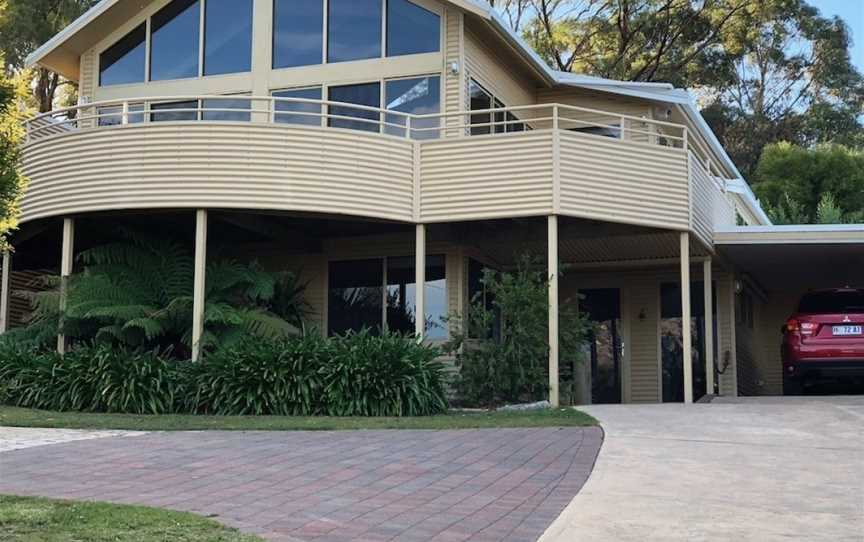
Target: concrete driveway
[(479, 485), (756, 469)]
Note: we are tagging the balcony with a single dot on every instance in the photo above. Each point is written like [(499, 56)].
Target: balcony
[(333, 158)]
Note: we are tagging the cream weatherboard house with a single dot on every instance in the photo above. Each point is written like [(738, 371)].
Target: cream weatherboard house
[(373, 145)]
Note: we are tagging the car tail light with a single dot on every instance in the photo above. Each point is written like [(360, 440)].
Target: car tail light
[(793, 325)]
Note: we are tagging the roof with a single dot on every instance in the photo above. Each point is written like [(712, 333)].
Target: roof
[(660, 92), (796, 234)]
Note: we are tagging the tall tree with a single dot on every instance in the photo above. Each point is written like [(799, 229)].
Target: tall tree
[(11, 181), (27, 24)]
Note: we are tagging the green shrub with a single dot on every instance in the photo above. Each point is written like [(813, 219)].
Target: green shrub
[(259, 377), (359, 374), (504, 357), (94, 378), (387, 375)]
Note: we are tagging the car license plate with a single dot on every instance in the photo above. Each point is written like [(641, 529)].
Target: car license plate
[(848, 330)]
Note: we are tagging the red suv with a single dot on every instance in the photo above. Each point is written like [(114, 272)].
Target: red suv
[(824, 339)]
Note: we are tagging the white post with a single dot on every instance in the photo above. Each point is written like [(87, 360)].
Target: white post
[(709, 326), (125, 118), (198, 291), (553, 310), (67, 260), (420, 282), (5, 283), (686, 331)]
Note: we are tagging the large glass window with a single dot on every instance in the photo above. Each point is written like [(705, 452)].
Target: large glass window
[(411, 29), (174, 111), (421, 96), (123, 62), (356, 296), (480, 99), (354, 30), (227, 36), (174, 41), (366, 95), (113, 115), (299, 112), (298, 30), (358, 289), (233, 109), (402, 296)]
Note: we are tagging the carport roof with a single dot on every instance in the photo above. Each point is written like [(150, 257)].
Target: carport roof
[(797, 257)]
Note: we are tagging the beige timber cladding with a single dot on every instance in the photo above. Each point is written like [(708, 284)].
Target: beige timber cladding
[(487, 177), (186, 165), (701, 190), (454, 97), (624, 181), (612, 108), (495, 74)]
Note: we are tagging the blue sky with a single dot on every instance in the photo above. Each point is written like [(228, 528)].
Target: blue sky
[(851, 11)]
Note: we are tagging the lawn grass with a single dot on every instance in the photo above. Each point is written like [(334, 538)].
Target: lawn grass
[(24, 519), (21, 417)]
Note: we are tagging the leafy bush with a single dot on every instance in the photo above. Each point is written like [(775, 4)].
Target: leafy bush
[(278, 377), (386, 375), (137, 292), (354, 375), (504, 356), (95, 378)]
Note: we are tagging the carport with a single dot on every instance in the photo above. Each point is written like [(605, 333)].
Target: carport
[(775, 265)]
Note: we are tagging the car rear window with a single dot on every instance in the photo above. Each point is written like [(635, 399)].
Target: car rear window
[(832, 302)]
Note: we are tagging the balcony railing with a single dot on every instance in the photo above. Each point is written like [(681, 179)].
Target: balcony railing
[(324, 113)]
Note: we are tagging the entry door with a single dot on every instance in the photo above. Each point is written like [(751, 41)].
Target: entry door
[(672, 339), (604, 309)]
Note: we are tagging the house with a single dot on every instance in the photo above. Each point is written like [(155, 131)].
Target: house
[(374, 145)]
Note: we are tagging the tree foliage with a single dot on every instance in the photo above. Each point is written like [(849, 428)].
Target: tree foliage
[(27, 24), (823, 184), (138, 293), (11, 180)]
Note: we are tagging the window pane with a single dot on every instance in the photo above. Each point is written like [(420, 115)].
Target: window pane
[(417, 97), (355, 299), (227, 36), (308, 114), (411, 29), (243, 108), (298, 33), (174, 41), (354, 30), (113, 115), (170, 115), (500, 117), (402, 296), (480, 100), (368, 95), (124, 61)]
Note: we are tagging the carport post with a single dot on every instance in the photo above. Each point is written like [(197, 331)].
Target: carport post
[(67, 260), (553, 310), (709, 325), (686, 331), (5, 283), (420, 281), (200, 282)]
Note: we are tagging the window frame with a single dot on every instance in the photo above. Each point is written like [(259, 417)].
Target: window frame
[(498, 123), (384, 286)]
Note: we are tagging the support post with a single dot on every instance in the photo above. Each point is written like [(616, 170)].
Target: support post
[(5, 284), (686, 330), (553, 310), (67, 260), (200, 281), (709, 325), (420, 282)]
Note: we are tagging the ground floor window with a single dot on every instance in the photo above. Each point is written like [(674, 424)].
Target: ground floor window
[(672, 339), (381, 293)]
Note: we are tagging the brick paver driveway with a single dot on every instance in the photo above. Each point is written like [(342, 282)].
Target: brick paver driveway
[(498, 484)]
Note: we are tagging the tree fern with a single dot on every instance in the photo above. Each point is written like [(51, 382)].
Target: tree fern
[(138, 292)]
